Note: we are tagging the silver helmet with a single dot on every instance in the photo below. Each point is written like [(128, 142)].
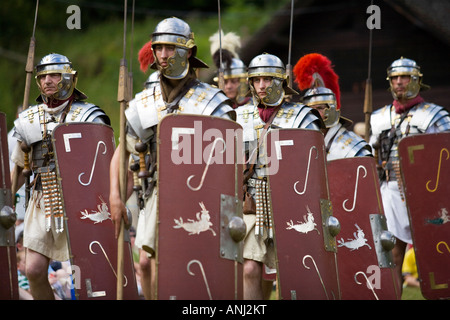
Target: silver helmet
[(174, 31), (57, 63), (268, 65), (237, 70), (323, 96), (404, 66)]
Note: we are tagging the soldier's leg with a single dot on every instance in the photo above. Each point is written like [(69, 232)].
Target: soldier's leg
[(37, 274), (145, 241), (144, 263), (153, 277), (253, 280), (398, 254)]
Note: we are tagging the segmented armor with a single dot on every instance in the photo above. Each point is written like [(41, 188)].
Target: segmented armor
[(388, 128), (34, 127), (290, 115), (148, 107), (341, 143)]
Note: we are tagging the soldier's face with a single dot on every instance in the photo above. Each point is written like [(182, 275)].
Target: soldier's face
[(231, 87), (260, 84), (321, 108), (399, 84), (164, 51), (49, 83)]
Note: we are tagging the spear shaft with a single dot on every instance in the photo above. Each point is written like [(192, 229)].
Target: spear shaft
[(30, 62), (122, 96), (221, 75), (289, 65), (26, 98), (368, 92)]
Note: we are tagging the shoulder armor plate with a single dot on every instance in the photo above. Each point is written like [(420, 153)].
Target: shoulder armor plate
[(380, 120), (27, 127), (424, 115), (345, 144), (148, 107)]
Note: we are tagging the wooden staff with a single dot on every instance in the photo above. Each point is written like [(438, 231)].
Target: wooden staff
[(289, 75), (26, 97), (368, 93), (289, 65), (221, 76), (122, 97)]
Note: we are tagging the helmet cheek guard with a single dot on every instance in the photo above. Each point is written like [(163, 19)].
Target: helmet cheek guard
[(275, 93), (323, 96), (178, 65)]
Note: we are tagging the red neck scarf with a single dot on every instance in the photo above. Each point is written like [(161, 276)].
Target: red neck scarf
[(400, 108), (266, 112), (54, 103)]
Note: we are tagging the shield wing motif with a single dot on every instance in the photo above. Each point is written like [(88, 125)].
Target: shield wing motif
[(302, 215), (365, 266), (199, 184), (83, 152), (425, 167)]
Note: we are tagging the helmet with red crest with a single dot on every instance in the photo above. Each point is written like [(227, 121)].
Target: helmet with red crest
[(314, 73)]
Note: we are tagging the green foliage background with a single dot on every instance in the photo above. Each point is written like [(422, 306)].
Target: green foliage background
[(96, 49)]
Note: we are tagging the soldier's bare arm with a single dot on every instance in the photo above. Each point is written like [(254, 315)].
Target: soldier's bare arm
[(118, 210), (16, 170)]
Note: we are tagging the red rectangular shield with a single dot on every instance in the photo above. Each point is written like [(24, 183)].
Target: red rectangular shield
[(365, 266), (8, 264), (305, 247), (199, 184), (83, 152), (425, 167)]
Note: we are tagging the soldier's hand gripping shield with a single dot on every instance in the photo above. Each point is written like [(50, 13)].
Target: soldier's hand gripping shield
[(83, 152), (425, 169), (200, 226), (304, 227), (364, 244), (8, 265)]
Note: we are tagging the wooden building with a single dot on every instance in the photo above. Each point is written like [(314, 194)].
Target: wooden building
[(415, 29)]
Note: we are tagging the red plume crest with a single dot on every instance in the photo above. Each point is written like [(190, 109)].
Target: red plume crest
[(146, 57), (313, 63)]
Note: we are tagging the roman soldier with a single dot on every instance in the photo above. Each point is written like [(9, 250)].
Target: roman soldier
[(409, 114), (59, 102), (314, 73), (268, 109), (235, 71), (172, 52)]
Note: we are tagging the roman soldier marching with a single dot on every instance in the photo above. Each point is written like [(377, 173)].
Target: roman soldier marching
[(314, 73), (409, 114), (59, 102), (267, 110), (172, 52), (225, 51)]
